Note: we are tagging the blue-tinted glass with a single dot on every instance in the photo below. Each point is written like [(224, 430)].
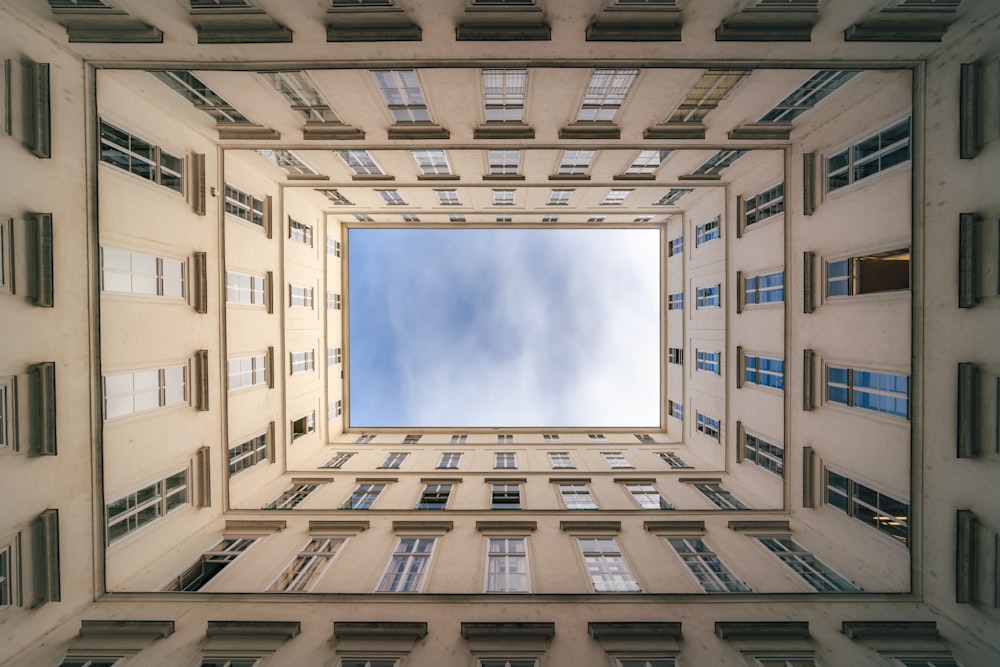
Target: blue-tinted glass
[(898, 156), (838, 395), (866, 379), (838, 181), (838, 161), (867, 147), (865, 400), (838, 269), (836, 375), (896, 383)]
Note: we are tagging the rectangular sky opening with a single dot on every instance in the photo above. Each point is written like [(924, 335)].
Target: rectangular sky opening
[(510, 327)]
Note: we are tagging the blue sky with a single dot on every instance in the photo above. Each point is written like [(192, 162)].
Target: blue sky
[(504, 327)]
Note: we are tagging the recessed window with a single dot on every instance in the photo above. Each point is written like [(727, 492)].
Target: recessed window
[(392, 197), (647, 497), (504, 162), (507, 567), (504, 218), (764, 288), (598, 218), (767, 455), (8, 580), (145, 160), (244, 206), (245, 289), (503, 197), (410, 218), (434, 497), (364, 496), (138, 391), (672, 460), (675, 355), (615, 197), (675, 410), (456, 218), (334, 410), (764, 371), (332, 301), (360, 162), (672, 196), (408, 566), (431, 162), (394, 459), (309, 565), (362, 217), (364, 438), (304, 425), (130, 272), (135, 510), (605, 93), (869, 506), (597, 437), (333, 356), (707, 232), (191, 88), (505, 439), (869, 274), (647, 162), (575, 162), (715, 165), (448, 197), (869, 156), (816, 573), (607, 568), (764, 205), (301, 232), (707, 361), (302, 362), (707, 297), (643, 218), (550, 218), (720, 497), (886, 393), (335, 196), (401, 91), (809, 94), (505, 497), (675, 301), (616, 459), (450, 460), (210, 564), (300, 297), (711, 573), (411, 439), (459, 439), (246, 371), (560, 460), (711, 88), (503, 95), (707, 425), (676, 246), (644, 437), (302, 95), (339, 460), (287, 160), (576, 497), (504, 460)]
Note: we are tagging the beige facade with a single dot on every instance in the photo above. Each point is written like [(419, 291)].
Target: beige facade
[(187, 488)]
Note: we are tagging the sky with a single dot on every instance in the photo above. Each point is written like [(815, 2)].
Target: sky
[(504, 327)]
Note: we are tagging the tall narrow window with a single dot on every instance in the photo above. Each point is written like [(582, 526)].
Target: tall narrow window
[(138, 391), (401, 92), (886, 393), (247, 454), (560, 460), (129, 272), (434, 497), (392, 197), (707, 297), (764, 288), (291, 497), (135, 510), (675, 409), (245, 289), (576, 497), (122, 150), (707, 232), (869, 274), (767, 455), (873, 508), (605, 94), (309, 564), (408, 566), (431, 162), (505, 460), (302, 362), (506, 565), (720, 497), (816, 573), (647, 162), (707, 361), (711, 573), (188, 86), (302, 95), (301, 232), (394, 459), (339, 460), (364, 496), (672, 460), (210, 564), (304, 425), (505, 162), (647, 497), (505, 497), (575, 162), (676, 246), (616, 459), (361, 162), (607, 568), (503, 95), (869, 156)]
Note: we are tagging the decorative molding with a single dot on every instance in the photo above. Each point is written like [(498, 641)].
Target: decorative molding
[(244, 27), (45, 558), (901, 630), (503, 31), (257, 132), (741, 217), (418, 131), (42, 409), (569, 480), (762, 629), (198, 195), (966, 565), (402, 32), (269, 231), (199, 273), (635, 630), (968, 404), (675, 527), (340, 527), (969, 233), (503, 131), (505, 630), (586, 526), (201, 380), (650, 27), (269, 275), (590, 130), (37, 110), (770, 527), (700, 480), (145, 631), (740, 287), (41, 285), (203, 475), (808, 477), (808, 183), (885, 27), (253, 526), (506, 526), (273, 630), (971, 112), (332, 131), (740, 377), (675, 131), (808, 380), (808, 282), (508, 480), (428, 527), (412, 630), (109, 25), (768, 24), (700, 177), (762, 132)]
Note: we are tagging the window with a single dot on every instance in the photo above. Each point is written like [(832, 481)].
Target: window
[(764, 205), (401, 92), (431, 162), (606, 566), (7, 583), (503, 95), (764, 371), (138, 391), (550, 437), (648, 497), (360, 162), (300, 232), (291, 497), (246, 371), (288, 161), (646, 662), (871, 507), (765, 288), (560, 460), (675, 301), (944, 661), (506, 162), (363, 439), (869, 156), (597, 437), (129, 272), (410, 218), (300, 297), (816, 573), (411, 439), (505, 497), (711, 573), (605, 94), (644, 437), (784, 661), (767, 455), (339, 460), (434, 497), (675, 247), (245, 289), (304, 425), (646, 162), (504, 218), (406, 570), (675, 355), (210, 564), (394, 459), (672, 459), (672, 196), (718, 162), (332, 301), (192, 89), (505, 460), (550, 218), (309, 564), (559, 197), (808, 95), (575, 162), (448, 197), (303, 96), (91, 661), (707, 297), (615, 197), (503, 197), (459, 439), (392, 197), (576, 497), (707, 361), (334, 410), (361, 662), (506, 565), (333, 356), (869, 274), (335, 196), (362, 217), (707, 232), (456, 218), (247, 454), (707, 425), (711, 88), (505, 439), (450, 459), (675, 409), (121, 149), (244, 206), (643, 218), (597, 218), (364, 497), (135, 510), (616, 459), (720, 497), (869, 390), (302, 362)]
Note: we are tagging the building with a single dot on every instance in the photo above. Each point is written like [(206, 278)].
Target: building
[(184, 486)]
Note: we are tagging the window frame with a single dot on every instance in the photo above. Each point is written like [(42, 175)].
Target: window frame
[(708, 232), (300, 231), (244, 211), (393, 460), (805, 560), (291, 497), (572, 490), (161, 390), (560, 461), (603, 98), (404, 100), (156, 166), (503, 493), (851, 501), (772, 207), (607, 570), (506, 97), (160, 277), (505, 460), (235, 288), (757, 290), (404, 571), (719, 496), (312, 564), (259, 450), (708, 426), (183, 580), (708, 297), (708, 362), (365, 495), (758, 373), (635, 492), (308, 421), (704, 558), (506, 556), (763, 459), (9, 414), (339, 460), (161, 499), (849, 386), (852, 277), (450, 460), (259, 375), (851, 147)]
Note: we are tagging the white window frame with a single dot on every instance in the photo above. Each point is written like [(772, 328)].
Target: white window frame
[(616, 460), (393, 460), (450, 460), (162, 498), (308, 421), (403, 96), (308, 566), (706, 562), (301, 362), (504, 94), (159, 277), (504, 161), (576, 496), (605, 94), (339, 459), (258, 371), (561, 460), (720, 497), (360, 162), (244, 206), (575, 162), (852, 164), (504, 197), (822, 578), (559, 197), (432, 162), (364, 496), (256, 295), (159, 172), (391, 197), (505, 460), (291, 497), (399, 575), (291, 163), (300, 231), (642, 493), (710, 231), (608, 570), (166, 393), (504, 559), (300, 296), (616, 197), (302, 95)]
